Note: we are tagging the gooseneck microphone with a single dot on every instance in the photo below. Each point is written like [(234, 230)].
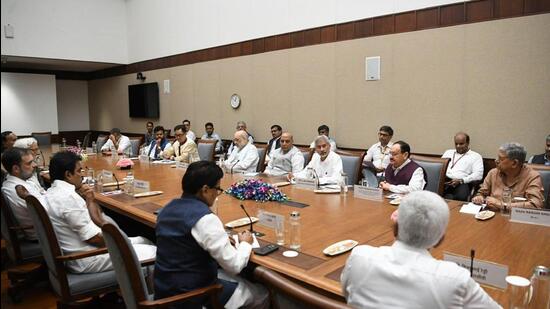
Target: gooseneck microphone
[(117, 184), (231, 171), (251, 228), (317, 182)]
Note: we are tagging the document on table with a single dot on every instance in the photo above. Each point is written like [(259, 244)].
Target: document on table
[(471, 208)]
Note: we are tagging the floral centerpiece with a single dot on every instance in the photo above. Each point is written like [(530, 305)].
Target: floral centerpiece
[(254, 189), (124, 164), (79, 151)]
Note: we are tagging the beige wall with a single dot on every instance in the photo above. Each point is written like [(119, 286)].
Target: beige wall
[(491, 79)]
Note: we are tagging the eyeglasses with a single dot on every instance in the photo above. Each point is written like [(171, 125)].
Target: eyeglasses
[(218, 189)]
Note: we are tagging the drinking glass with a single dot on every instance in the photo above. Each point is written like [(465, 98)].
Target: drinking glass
[(506, 201), (280, 231), (519, 292)]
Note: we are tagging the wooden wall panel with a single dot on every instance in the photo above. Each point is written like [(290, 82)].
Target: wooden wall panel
[(328, 34), (452, 14), (297, 39), (536, 6), (258, 46), (345, 31), (477, 11), (312, 36), (405, 22), (428, 18), (271, 43), (284, 41), (384, 25), (364, 28), (509, 8)]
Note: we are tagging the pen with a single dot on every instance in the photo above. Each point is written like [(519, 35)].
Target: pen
[(472, 255)]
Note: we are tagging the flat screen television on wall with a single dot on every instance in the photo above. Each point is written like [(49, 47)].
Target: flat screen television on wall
[(144, 100)]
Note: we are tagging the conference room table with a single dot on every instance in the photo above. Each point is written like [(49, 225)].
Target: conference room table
[(330, 218)]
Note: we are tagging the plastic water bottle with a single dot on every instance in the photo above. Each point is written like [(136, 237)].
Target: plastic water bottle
[(78, 144), (99, 183), (343, 183), (94, 147), (129, 183), (295, 231), (63, 143), (540, 283)]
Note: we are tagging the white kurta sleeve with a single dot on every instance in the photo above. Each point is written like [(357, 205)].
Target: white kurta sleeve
[(416, 183)]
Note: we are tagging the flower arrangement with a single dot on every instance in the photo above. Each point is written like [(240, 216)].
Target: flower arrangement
[(254, 189), (79, 151), (124, 163)]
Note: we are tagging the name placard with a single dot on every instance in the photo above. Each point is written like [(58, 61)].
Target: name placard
[(367, 193), (530, 216), (89, 150), (269, 219), (107, 175), (141, 186), (483, 272), (182, 165), (305, 183), (143, 158)]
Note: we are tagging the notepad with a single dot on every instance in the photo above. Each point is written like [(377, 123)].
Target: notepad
[(470, 208)]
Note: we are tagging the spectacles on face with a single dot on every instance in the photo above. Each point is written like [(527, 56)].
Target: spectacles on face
[(219, 190)]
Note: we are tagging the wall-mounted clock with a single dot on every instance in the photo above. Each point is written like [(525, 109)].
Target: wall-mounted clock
[(235, 101)]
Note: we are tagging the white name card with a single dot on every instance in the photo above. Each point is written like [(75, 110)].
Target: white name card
[(106, 174), (89, 150), (269, 219), (305, 183), (483, 272), (182, 165), (141, 186), (530, 216), (367, 193), (143, 158)]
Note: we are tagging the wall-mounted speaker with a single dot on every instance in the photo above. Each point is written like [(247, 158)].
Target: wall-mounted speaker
[(372, 68)]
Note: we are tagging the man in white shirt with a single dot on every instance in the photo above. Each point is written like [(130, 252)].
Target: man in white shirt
[(20, 165), (190, 134), (184, 149), (159, 145), (405, 275), (465, 166), (326, 164), (118, 142), (210, 135), (31, 144), (378, 155), (244, 157), (324, 130), (403, 175), (188, 225), (241, 126), (77, 218), (275, 142), (286, 159)]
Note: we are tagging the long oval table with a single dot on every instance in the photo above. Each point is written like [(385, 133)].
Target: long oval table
[(330, 218)]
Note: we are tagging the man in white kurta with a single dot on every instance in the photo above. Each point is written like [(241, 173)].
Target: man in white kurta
[(465, 166), (244, 157), (326, 163), (286, 159), (118, 142), (76, 218), (20, 165), (405, 275)]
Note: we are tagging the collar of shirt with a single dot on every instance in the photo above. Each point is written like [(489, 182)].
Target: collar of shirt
[(395, 171), (385, 149), (16, 180), (511, 182), (401, 245), (63, 185)]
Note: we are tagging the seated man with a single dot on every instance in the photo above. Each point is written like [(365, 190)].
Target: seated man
[(117, 142), (378, 155), (20, 165), (160, 144), (326, 164), (244, 157), (210, 135), (187, 126), (187, 225), (543, 158), (511, 173), (287, 159), (241, 126), (275, 142), (8, 139), (149, 135), (76, 218), (184, 149), (403, 175), (405, 275), (465, 166), (31, 144), (324, 130)]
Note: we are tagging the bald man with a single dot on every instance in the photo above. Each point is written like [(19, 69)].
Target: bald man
[(286, 159), (244, 156)]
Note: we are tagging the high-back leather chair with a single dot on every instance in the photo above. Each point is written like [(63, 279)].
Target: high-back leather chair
[(308, 153), (87, 140), (101, 140), (206, 149), (24, 255), (261, 157), (68, 287), (132, 281), (305, 298), (352, 162), (544, 172), (134, 146), (435, 168), (43, 138)]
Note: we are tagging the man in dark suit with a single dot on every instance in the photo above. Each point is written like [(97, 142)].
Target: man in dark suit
[(275, 142), (543, 158)]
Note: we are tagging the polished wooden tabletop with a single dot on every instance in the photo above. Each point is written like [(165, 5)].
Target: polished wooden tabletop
[(330, 218)]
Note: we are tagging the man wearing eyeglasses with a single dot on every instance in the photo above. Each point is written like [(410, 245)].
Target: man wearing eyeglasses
[(378, 155), (184, 149), (403, 175)]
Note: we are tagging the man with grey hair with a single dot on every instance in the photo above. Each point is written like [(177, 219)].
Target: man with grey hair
[(543, 158), (241, 126), (512, 173), (31, 144), (244, 157), (326, 163), (117, 142), (405, 275), (286, 159)]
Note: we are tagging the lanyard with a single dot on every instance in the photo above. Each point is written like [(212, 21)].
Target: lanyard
[(453, 162)]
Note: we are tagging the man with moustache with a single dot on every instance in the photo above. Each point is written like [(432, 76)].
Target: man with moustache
[(326, 163), (403, 175), (287, 159), (244, 157)]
